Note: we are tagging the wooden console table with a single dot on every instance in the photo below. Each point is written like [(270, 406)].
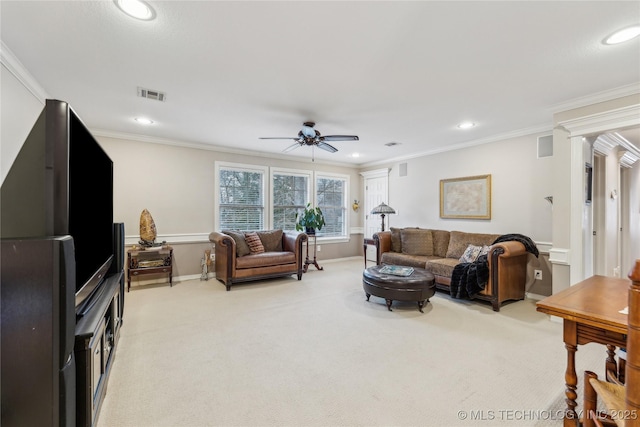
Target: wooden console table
[(151, 261), (591, 313)]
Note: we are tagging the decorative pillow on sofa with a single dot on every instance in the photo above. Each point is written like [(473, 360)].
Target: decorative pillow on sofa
[(460, 240), (254, 242), (417, 241), (271, 240), (473, 252), (396, 240), (242, 248)]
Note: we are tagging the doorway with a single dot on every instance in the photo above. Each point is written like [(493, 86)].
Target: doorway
[(376, 191)]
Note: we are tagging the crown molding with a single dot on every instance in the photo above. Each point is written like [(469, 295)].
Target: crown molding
[(598, 97), (494, 138), (15, 67), (603, 122), (208, 147)]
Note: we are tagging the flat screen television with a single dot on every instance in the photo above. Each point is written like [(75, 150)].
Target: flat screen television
[(61, 183)]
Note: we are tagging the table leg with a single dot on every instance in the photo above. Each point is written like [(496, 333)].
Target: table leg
[(570, 376), (610, 365), (389, 301), (420, 306)]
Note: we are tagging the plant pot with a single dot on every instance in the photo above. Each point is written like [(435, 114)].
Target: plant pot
[(310, 231)]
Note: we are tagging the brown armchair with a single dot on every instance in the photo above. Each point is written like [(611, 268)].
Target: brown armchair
[(282, 257)]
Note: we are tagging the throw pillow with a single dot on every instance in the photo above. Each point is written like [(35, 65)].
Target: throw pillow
[(271, 240), (417, 242), (396, 241), (485, 250), (254, 242), (471, 253), (242, 248)]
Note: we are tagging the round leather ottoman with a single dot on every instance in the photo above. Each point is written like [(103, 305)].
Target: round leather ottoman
[(419, 286)]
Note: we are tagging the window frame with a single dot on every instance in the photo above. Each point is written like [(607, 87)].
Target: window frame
[(264, 170), (287, 172), (344, 237)]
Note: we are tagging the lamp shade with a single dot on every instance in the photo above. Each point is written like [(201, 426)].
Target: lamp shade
[(383, 208)]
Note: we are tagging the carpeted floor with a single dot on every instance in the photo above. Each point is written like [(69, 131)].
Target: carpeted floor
[(314, 352)]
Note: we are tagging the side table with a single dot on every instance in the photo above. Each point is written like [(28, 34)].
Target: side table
[(307, 261), (149, 261)]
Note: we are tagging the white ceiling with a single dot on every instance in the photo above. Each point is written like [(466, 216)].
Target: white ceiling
[(404, 72)]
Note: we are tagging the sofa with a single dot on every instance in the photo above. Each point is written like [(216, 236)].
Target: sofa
[(458, 260), (244, 256)]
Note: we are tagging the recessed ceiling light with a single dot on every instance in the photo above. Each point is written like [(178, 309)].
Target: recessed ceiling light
[(137, 9), (144, 121), (466, 125), (355, 155), (623, 35)]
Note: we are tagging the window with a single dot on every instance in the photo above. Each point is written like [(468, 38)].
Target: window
[(240, 197), (251, 197), (290, 196), (331, 197)]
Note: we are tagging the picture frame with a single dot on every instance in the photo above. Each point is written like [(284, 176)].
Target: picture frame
[(466, 198)]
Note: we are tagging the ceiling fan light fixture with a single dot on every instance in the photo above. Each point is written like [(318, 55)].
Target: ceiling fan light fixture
[(623, 35), (137, 9), (308, 131)]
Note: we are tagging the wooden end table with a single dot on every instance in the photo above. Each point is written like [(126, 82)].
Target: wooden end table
[(149, 261)]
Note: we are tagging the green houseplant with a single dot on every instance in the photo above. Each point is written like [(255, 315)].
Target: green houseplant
[(311, 219)]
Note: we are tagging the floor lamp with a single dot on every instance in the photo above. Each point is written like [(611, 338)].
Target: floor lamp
[(382, 209)]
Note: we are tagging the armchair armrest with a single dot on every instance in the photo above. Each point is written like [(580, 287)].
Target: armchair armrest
[(382, 240), (292, 242), (225, 250)]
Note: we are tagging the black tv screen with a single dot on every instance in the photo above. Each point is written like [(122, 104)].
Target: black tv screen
[(90, 208), (61, 183)]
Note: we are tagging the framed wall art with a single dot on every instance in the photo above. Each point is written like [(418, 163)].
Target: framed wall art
[(466, 198)]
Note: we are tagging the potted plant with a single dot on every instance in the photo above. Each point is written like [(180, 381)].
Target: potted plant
[(311, 220)]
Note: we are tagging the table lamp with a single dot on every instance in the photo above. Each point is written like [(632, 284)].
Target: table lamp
[(383, 209)]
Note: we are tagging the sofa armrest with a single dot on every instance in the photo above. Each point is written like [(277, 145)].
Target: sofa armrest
[(382, 240), (225, 250), (506, 249), (507, 272)]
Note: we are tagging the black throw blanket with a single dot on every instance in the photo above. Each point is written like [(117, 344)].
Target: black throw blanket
[(470, 278)]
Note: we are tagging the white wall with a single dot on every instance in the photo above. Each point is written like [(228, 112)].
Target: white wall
[(19, 110), (176, 185), (520, 182)]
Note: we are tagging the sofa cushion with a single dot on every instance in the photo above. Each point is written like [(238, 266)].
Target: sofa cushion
[(442, 266), (265, 259), (417, 242), (440, 242), (396, 240), (254, 242), (242, 248), (394, 258), (459, 241), (271, 240)]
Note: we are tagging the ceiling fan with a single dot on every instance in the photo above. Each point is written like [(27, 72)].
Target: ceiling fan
[(311, 137)]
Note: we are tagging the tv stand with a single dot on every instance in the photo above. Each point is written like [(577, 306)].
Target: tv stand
[(96, 338)]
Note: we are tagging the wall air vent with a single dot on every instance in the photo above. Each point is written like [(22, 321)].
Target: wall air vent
[(152, 94)]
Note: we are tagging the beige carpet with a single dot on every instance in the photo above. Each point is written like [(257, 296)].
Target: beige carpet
[(315, 353)]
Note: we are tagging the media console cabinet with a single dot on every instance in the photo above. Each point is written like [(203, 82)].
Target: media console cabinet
[(97, 335)]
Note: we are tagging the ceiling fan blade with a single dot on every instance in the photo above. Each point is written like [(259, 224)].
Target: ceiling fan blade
[(327, 147), (279, 137), (291, 147), (340, 138)]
